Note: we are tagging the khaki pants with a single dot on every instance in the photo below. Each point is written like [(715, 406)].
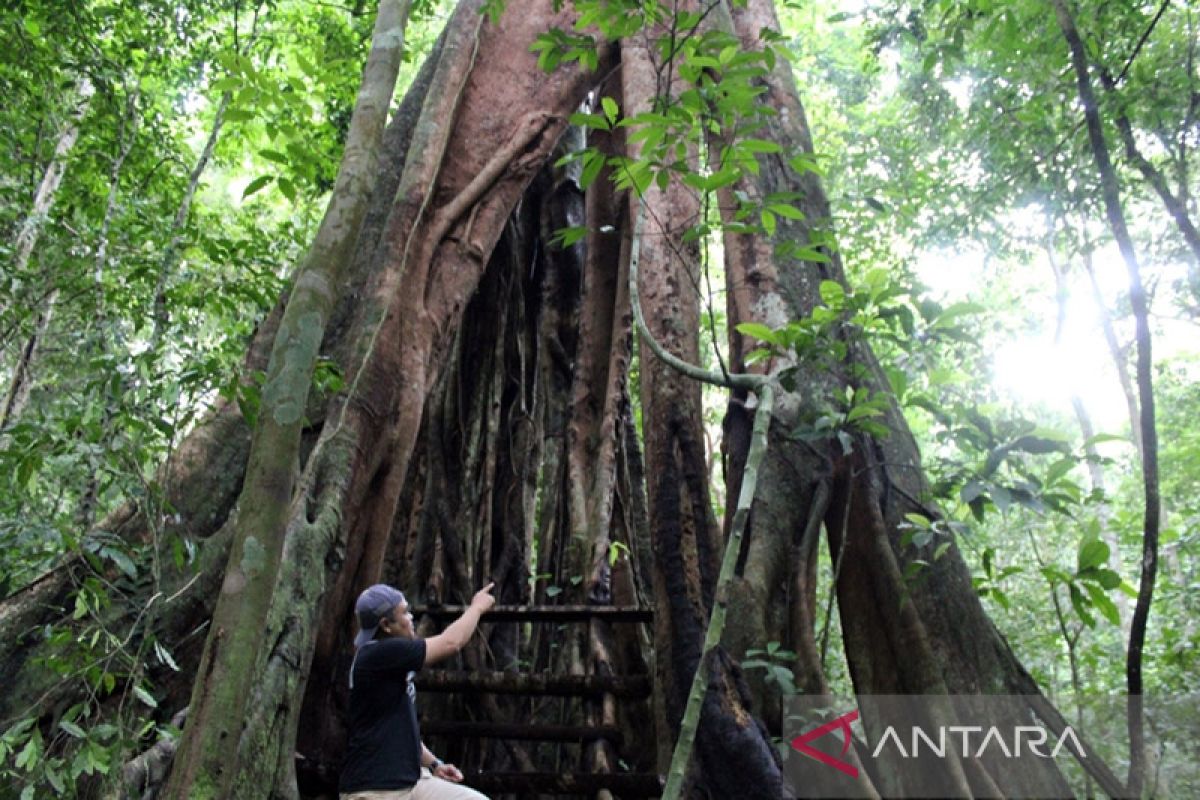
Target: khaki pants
[(427, 788)]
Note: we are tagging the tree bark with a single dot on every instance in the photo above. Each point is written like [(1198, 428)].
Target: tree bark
[(1115, 213), (208, 753), (22, 375), (451, 207), (47, 191), (928, 638)]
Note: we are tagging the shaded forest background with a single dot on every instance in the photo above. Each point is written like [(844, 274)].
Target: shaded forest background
[(166, 164)]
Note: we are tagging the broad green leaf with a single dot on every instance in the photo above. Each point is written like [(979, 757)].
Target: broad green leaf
[(832, 293), (1080, 604), (768, 222), (1102, 603), (596, 121), (760, 146), (276, 156), (758, 331), (611, 110), (593, 162), (1092, 553), (786, 211), (256, 184)]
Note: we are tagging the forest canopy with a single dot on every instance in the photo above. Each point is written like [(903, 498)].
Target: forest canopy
[(805, 325)]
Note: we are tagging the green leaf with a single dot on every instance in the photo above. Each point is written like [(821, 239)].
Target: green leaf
[(287, 189), (1002, 498), (859, 412), (611, 109), (276, 156), (229, 83), (1080, 604), (970, 491), (768, 222), (256, 184), (33, 27), (596, 121), (1102, 603), (1039, 445), (1092, 553), (758, 331), (593, 162), (28, 757), (1101, 438), (832, 293), (786, 211), (810, 253), (1106, 578), (553, 591), (73, 729), (55, 778), (951, 314), (760, 146), (123, 562), (565, 237), (145, 696)]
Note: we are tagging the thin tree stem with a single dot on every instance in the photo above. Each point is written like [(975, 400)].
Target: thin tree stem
[(1137, 296)]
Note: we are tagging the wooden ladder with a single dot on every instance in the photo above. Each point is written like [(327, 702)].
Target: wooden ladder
[(625, 687)]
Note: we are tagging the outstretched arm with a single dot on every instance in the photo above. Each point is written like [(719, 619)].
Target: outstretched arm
[(459, 632)]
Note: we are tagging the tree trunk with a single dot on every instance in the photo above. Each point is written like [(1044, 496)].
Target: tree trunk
[(47, 191), (17, 395), (451, 206), (208, 754), (1152, 511), (686, 539), (929, 638)]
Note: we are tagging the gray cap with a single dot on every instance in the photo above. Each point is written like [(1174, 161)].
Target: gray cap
[(375, 603)]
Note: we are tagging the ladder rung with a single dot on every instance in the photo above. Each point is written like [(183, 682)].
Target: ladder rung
[(444, 680), (545, 613), (512, 730), (625, 784)]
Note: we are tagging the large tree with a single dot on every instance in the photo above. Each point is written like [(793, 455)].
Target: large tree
[(471, 287)]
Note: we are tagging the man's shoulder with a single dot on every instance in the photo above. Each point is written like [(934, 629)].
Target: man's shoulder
[(388, 653)]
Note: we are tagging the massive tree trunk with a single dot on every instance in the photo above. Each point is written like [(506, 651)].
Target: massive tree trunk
[(733, 746), (451, 207), (926, 637)]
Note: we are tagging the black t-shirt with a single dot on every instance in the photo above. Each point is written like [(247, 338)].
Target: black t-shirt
[(385, 742)]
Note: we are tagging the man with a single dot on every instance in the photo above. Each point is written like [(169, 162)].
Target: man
[(386, 759)]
